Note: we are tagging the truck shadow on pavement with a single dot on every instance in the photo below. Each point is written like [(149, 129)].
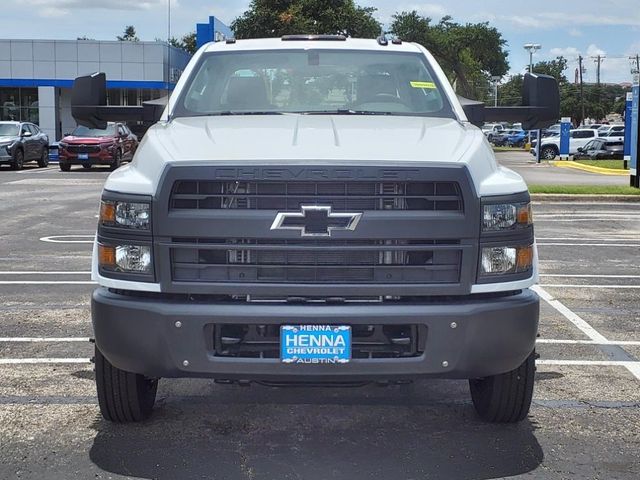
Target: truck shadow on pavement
[(426, 430)]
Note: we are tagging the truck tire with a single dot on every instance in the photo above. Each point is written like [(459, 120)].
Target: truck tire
[(505, 398), (64, 167), (124, 397), (548, 153)]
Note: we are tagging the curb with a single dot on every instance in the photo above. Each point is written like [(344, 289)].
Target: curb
[(590, 169), (560, 197)]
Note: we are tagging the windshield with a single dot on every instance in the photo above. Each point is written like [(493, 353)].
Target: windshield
[(313, 82), (8, 130), (81, 131)]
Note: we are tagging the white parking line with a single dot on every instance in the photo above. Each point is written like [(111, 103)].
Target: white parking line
[(35, 282), (615, 287), (593, 363), (44, 339), (564, 275), (552, 341), (43, 361), (616, 245), (583, 325), (63, 239), (44, 273)]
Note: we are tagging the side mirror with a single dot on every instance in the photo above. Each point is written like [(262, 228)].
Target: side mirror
[(66, 134), (26, 134), (580, 149), (89, 105), (540, 100)]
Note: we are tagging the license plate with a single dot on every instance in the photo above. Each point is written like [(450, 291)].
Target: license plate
[(83, 156), (315, 344)]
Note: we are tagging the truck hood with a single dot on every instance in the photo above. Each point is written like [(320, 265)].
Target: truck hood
[(314, 137)]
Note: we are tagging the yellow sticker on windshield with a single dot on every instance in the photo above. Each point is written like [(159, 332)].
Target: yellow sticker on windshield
[(427, 85)]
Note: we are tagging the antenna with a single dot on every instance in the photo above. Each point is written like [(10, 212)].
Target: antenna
[(168, 57)]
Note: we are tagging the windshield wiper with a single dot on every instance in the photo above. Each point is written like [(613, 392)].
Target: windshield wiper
[(345, 111), (229, 113)]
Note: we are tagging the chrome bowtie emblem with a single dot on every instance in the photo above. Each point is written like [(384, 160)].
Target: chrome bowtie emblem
[(316, 221)]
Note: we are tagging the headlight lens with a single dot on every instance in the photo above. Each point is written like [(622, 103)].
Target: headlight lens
[(133, 215), (506, 260), (506, 216), (126, 258)]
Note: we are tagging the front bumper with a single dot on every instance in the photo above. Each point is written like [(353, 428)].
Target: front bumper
[(101, 158), (492, 335)]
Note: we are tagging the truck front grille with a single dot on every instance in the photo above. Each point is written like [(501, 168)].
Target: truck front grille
[(341, 196), (368, 341), (315, 261), (83, 148)]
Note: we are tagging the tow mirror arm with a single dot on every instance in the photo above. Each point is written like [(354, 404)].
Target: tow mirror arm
[(540, 100), (89, 105)]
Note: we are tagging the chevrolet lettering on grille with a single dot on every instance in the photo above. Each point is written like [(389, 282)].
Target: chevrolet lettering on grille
[(316, 221)]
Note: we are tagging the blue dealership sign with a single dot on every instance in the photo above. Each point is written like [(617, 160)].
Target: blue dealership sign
[(634, 129), (565, 134), (628, 116)]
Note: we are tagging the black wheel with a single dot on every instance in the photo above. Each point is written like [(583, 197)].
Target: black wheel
[(123, 397), (43, 161), (117, 160), (548, 153), (86, 166), (505, 398), (18, 160), (65, 167)]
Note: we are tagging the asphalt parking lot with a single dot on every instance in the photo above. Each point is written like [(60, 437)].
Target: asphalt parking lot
[(585, 422)]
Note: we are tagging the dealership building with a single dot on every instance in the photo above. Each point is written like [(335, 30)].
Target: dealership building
[(36, 76)]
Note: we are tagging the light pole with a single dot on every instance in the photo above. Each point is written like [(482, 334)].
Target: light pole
[(532, 48), (496, 79)]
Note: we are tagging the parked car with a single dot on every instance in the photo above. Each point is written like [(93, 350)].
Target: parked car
[(22, 142), (614, 135), (601, 149), (510, 138), (90, 146), (551, 145), (491, 130), (606, 129), (552, 131)]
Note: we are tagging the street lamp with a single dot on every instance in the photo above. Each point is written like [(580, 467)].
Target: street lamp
[(532, 48), (495, 79)]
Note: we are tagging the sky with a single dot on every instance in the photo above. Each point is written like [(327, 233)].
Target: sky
[(610, 28)]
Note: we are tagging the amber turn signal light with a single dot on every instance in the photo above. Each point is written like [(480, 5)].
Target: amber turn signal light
[(106, 256), (525, 216), (524, 258), (107, 213)]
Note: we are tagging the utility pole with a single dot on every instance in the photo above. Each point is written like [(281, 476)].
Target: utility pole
[(635, 64), (580, 59), (598, 61)]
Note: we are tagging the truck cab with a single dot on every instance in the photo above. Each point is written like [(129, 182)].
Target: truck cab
[(315, 210)]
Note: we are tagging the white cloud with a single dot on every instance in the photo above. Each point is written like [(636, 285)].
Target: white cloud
[(60, 8), (568, 52), (574, 32)]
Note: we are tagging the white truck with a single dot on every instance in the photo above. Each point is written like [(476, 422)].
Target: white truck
[(315, 210)]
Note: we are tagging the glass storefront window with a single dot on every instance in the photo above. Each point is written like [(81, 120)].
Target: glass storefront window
[(19, 104)]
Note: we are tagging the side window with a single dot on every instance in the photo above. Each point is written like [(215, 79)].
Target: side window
[(24, 129), (33, 129)]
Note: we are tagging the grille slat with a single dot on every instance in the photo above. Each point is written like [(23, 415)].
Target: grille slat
[(320, 261), (341, 196)]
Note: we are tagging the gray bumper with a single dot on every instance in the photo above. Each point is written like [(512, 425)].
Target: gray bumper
[(492, 336)]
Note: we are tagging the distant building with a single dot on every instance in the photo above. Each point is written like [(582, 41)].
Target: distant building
[(36, 76)]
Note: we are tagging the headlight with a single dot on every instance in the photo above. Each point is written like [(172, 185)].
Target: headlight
[(506, 216), (126, 258), (506, 260), (133, 215)]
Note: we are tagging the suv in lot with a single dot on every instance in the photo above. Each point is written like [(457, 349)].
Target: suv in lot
[(97, 146), (315, 210), (22, 142), (578, 138)]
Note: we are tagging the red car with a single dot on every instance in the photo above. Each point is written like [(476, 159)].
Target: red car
[(90, 146)]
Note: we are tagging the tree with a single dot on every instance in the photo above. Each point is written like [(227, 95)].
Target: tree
[(186, 43), (274, 18), (470, 54), (129, 35)]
